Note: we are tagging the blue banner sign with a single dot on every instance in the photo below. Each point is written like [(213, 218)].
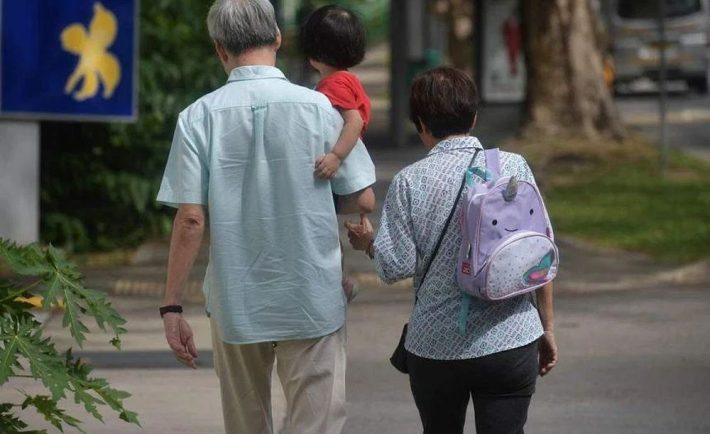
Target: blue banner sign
[(69, 59)]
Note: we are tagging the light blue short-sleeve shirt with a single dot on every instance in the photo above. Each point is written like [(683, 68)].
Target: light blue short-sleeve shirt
[(247, 151)]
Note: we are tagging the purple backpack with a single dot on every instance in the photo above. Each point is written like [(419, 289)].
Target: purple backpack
[(507, 247)]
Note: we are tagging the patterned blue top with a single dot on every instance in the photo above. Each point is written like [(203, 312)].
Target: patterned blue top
[(416, 207)]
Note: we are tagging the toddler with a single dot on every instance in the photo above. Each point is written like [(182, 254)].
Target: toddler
[(333, 40)]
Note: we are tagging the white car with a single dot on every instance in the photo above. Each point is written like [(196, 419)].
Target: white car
[(636, 44)]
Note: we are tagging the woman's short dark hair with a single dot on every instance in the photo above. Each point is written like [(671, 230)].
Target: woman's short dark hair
[(335, 36), (445, 100)]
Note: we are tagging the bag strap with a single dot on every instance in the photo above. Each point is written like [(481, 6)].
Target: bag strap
[(492, 172), (446, 226)]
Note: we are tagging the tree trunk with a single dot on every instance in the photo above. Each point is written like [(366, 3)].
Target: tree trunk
[(566, 91), (458, 15), (460, 29)]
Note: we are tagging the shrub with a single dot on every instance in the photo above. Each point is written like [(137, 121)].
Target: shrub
[(26, 352)]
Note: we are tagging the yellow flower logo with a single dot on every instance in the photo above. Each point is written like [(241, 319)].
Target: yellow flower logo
[(95, 62)]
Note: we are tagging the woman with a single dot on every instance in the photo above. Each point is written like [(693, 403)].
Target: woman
[(507, 343)]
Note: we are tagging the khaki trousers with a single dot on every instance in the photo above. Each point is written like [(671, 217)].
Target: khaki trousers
[(312, 374)]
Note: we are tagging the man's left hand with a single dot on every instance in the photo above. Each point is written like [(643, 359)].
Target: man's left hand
[(180, 338)]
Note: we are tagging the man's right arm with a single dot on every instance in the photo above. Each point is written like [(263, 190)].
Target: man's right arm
[(185, 185), (188, 230)]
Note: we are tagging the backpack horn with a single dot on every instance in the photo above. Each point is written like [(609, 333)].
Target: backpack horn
[(511, 190)]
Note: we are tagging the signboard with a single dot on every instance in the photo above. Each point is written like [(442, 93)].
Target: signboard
[(69, 59), (503, 63)]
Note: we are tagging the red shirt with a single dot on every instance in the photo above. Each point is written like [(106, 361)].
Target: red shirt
[(345, 92)]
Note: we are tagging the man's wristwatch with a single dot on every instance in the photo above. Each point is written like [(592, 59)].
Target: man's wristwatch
[(174, 308)]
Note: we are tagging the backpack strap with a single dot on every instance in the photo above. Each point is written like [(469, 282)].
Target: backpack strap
[(446, 226), (492, 172), (493, 162)]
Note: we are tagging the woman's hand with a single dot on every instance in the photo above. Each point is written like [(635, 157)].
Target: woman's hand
[(547, 352), (360, 235)]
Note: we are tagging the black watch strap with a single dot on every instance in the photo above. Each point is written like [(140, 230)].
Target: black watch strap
[(174, 308)]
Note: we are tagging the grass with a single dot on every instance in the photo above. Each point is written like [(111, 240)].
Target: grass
[(611, 194)]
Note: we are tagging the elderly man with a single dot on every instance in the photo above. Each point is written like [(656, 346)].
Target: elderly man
[(245, 154)]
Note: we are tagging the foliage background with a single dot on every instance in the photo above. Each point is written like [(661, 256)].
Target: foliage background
[(99, 181)]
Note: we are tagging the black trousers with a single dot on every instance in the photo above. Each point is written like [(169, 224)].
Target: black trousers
[(500, 384)]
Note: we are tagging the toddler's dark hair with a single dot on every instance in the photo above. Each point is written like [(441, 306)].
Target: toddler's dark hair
[(335, 36)]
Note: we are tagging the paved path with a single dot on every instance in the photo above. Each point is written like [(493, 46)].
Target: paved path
[(631, 362)]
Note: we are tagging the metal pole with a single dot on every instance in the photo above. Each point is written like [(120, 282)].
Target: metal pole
[(19, 181), (662, 86)]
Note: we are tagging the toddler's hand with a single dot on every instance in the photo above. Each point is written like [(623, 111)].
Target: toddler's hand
[(327, 166)]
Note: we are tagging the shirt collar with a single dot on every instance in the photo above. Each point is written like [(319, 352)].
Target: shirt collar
[(465, 142), (255, 72)]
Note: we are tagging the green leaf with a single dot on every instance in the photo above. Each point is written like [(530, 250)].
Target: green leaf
[(101, 309), (64, 282), (24, 336), (82, 384), (23, 260), (89, 402), (8, 359), (130, 417), (71, 319), (48, 408), (9, 423)]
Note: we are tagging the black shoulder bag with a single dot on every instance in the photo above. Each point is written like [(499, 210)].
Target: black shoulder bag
[(399, 356)]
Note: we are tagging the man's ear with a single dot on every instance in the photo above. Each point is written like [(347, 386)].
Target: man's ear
[(221, 51), (475, 120), (277, 43)]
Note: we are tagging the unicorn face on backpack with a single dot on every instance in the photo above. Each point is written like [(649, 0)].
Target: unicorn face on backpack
[(512, 207), (507, 247)]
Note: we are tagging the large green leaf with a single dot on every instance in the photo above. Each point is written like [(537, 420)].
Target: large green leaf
[(23, 337)]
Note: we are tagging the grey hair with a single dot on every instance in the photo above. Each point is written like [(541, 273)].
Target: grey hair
[(241, 25)]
